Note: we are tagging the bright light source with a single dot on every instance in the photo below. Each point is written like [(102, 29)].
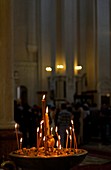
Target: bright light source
[(49, 69), (60, 66), (78, 67)]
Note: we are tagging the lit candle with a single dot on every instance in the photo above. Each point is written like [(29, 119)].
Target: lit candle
[(37, 137), (70, 141), (41, 125), (72, 123), (40, 137), (51, 130), (16, 131), (67, 138), (56, 129), (47, 130), (59, 143), (75, 142), (18, 92), (60, 146), (70, 130), (20, 143), (43, 106), (44, 140)]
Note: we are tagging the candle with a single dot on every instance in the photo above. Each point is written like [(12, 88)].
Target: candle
[(72, 122), (67, 138), (20, 143), (75, 142), (43, 111), (51, 130), (43, 106), (16, 131), (18, 92), (56, 129), (37, 137), (44, 140), (60, 146), (41, 125), (47, 130), (70, 130), (59, 143), (40, 137), (70, 141)]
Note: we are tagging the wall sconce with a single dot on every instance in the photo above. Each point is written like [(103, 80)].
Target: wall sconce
[(60, 66), (48, 69), (78, 68)]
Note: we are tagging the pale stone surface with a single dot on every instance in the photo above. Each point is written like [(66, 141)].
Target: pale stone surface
[(6, 61)]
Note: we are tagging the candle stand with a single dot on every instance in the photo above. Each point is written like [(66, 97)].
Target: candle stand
[(48, 155)]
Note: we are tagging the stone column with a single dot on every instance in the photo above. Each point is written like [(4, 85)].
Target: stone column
[(103, 43), (6, 62), (7, 131), (69, 42), (53, 48), (32, 29)]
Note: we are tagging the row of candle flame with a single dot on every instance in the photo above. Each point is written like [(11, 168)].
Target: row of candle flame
[(70, 136), (42, 133)]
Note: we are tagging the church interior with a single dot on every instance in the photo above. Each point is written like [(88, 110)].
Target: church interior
[(60, 49)]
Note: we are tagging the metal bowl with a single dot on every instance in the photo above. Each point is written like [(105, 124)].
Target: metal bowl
[(49, 162)]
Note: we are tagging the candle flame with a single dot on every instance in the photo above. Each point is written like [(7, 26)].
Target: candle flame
[(42, 121), (72, 122), (56, 129), (37, 129), (43, 97), (59, 137), (51, 129), (70, 128), (15, 125), (57, 143), (44, 138), (47, 109), (40, 135), (67, 132), (20, 140)]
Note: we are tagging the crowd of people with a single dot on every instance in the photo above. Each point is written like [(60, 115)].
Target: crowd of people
[(87, 121)]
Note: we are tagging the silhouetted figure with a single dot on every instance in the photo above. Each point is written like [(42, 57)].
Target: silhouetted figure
[(104, 122), (64, 121), (78, 122), (86, 123), (22, 117)]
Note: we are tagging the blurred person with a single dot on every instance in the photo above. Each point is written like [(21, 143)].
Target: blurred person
[(78, 122), (86, 123), (105, 122), (23, 119), (64, 121)]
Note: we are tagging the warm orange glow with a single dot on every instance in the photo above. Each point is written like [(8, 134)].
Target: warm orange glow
[(48, 69), (43, 97), (56, 129), (37, 129), (72, 122), (78, 67), (60, 66), (15, 125), (20, 140), (47, 109)]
